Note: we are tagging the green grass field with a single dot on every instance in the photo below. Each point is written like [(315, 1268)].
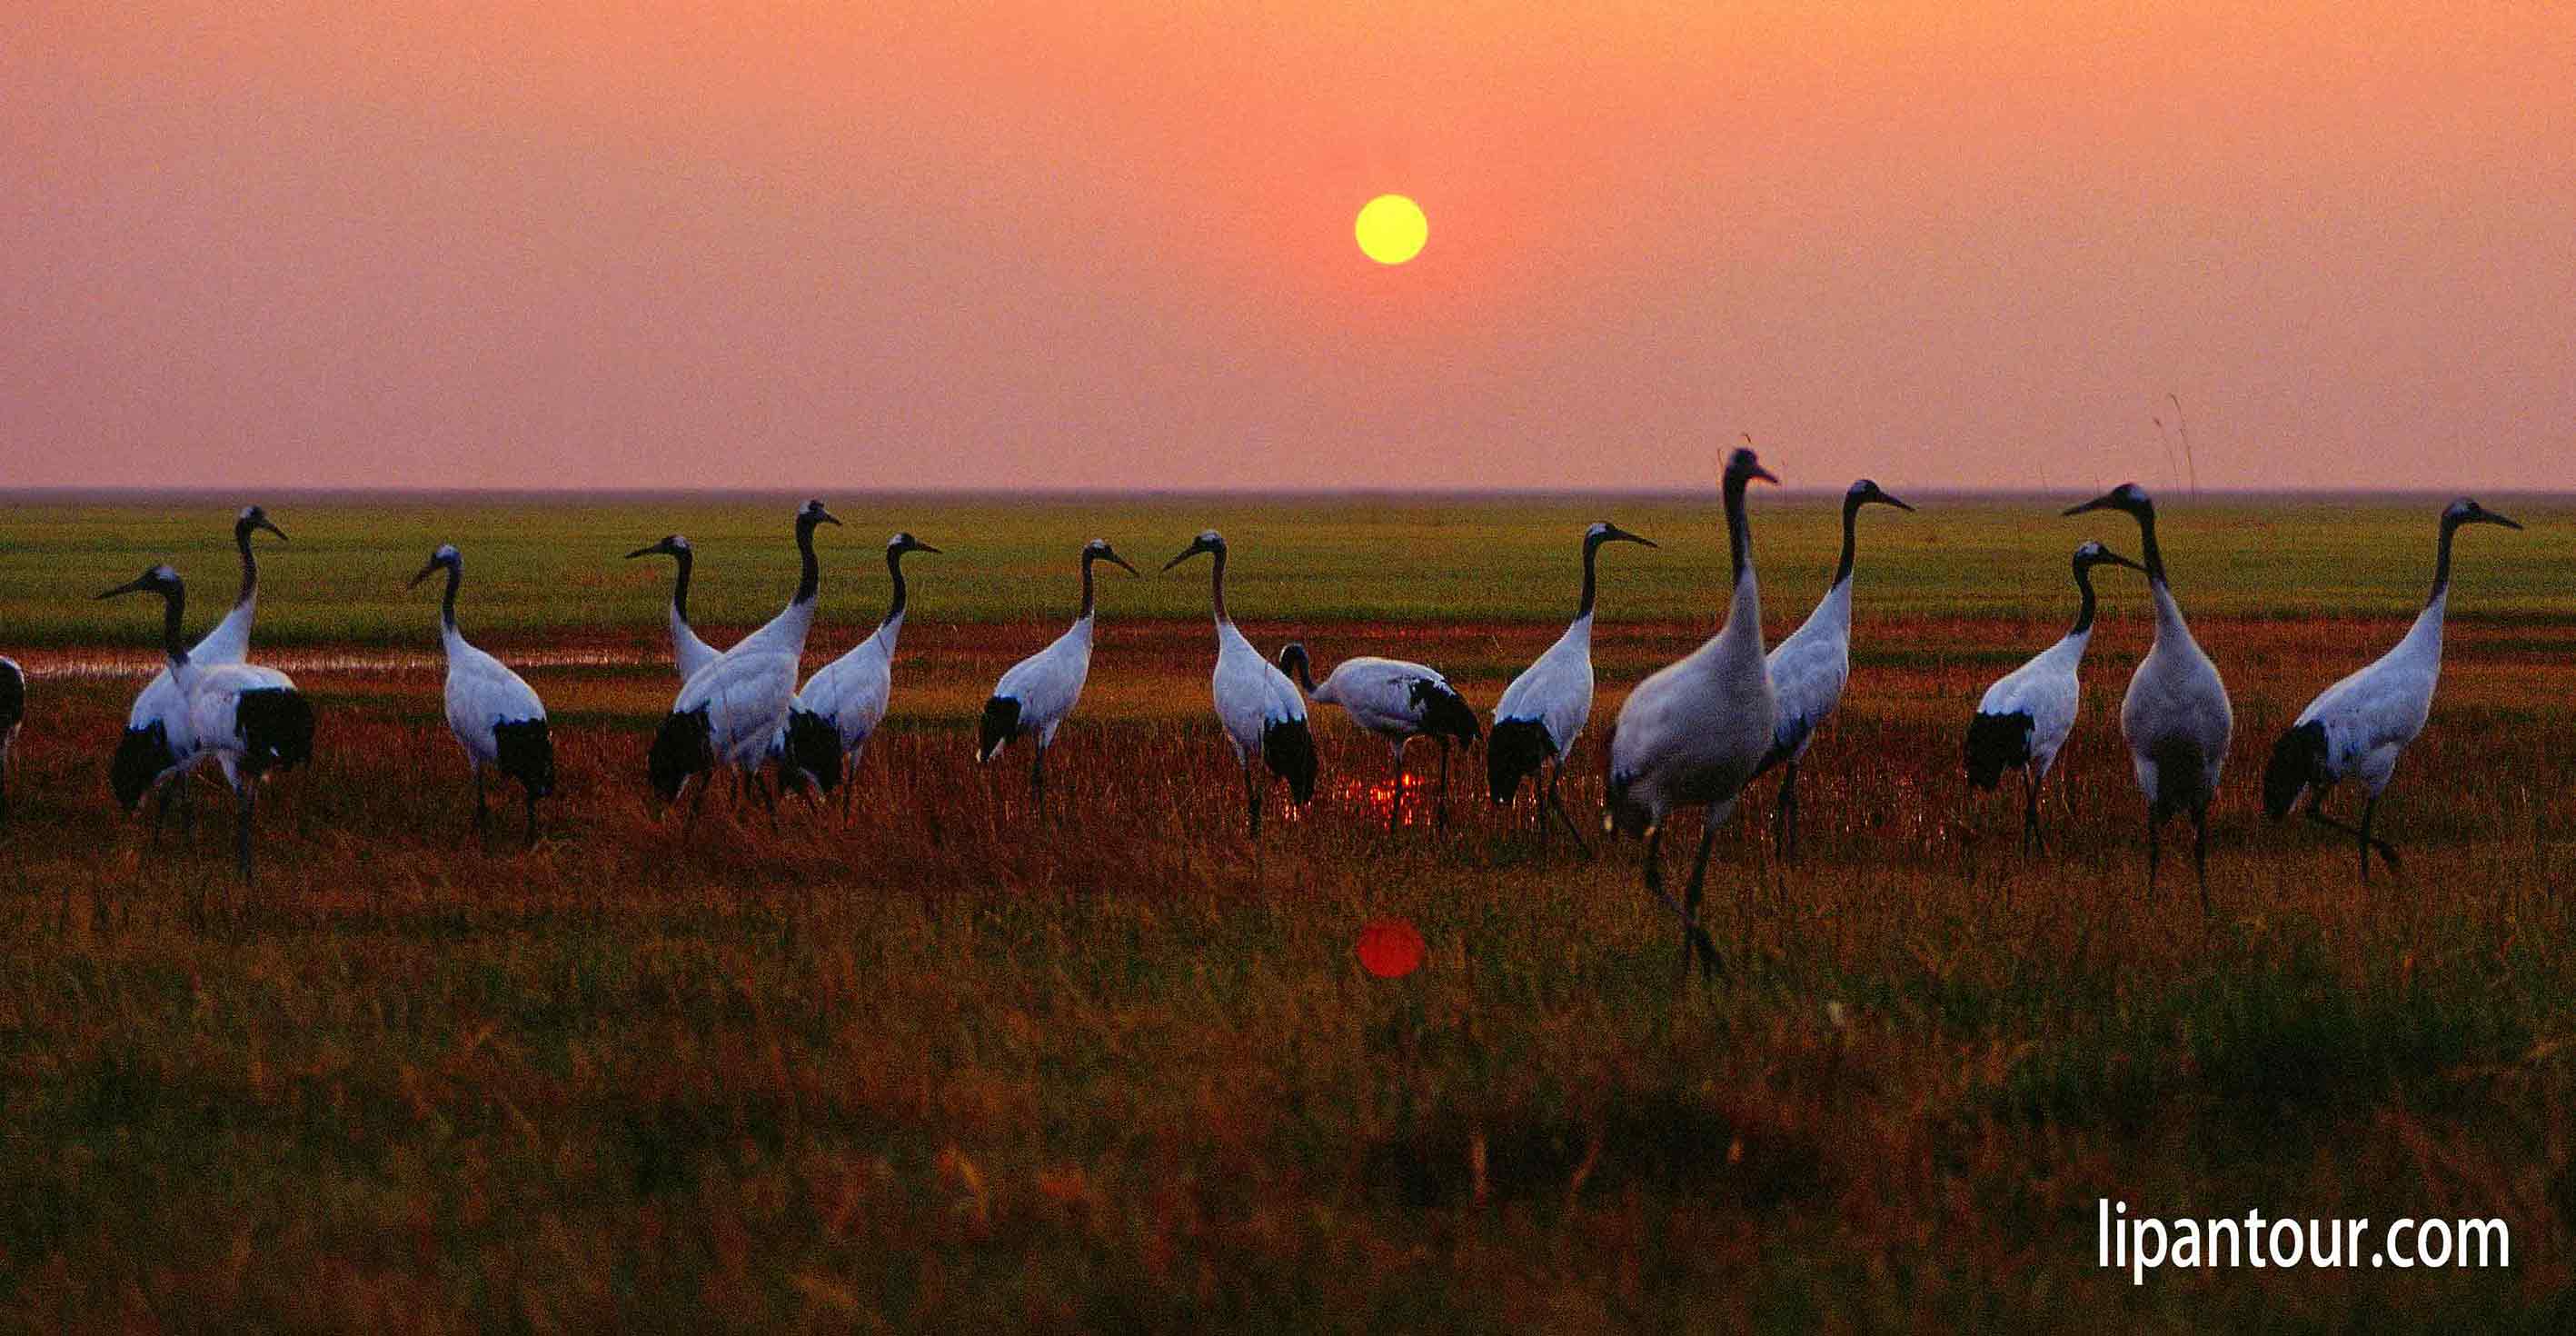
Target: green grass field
[(1115, 1069)]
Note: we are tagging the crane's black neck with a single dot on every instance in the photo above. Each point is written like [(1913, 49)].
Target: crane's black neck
[(249, 563), (1739, 534), (809, 577), (1591, 556), (2442, 562), (1305, 674), (2083, 614), (447, 604), (894, 568), (680, 587), (1217, 584), (2155, 555), (174, 605), (1088, 557), (1851, 530)]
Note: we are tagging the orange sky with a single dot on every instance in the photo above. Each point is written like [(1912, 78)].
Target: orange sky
[(891, 244)]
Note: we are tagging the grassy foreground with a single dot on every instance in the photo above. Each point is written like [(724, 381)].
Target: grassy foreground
[(951, 1064)]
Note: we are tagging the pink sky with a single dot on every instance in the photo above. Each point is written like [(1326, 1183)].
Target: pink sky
[(886, 244)]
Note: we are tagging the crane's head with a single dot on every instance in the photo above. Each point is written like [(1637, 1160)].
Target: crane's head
[(154, 580), (2092, 554), (672, 545), (1868, 493), (1743, 467), (2128, 497), (905, 542), (252, 517), (1603, 531), (2466, 511), (1299, 668), (1098, 549), (1207, 541), (445, 558), (813, 514)]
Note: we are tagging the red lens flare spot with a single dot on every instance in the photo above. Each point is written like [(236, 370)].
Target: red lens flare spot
[(1390, 948)]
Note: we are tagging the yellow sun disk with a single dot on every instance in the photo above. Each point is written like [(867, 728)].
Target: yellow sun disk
[(1391, 229)]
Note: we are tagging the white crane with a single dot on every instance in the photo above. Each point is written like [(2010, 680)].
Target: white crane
[(2025, 717), (842, 703), (688, 652), (1398, 701), (494, 714), (1694, 732), (1544, 709), (2175, 717), (729, 712), (251, 720), (2356, 728), (1264, 717), (1037, 693), (150, 754), (1809, 668), (13, 712)]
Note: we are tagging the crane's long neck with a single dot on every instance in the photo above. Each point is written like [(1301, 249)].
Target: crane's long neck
[(2084, 612), (1744, 611), (1085, 615), (1851, 533), (249, 565), (1591, 560), (447, 603), (2442, 565), (2146, 516), (809, 577), (174, 607), (1305, 673), (1216, 585), (894, 567), (680, 587)]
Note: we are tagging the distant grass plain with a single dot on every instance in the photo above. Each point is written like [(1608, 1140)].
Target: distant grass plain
[(1110, 1070)]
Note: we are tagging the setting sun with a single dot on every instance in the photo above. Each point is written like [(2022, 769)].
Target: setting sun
[(1391, 229)]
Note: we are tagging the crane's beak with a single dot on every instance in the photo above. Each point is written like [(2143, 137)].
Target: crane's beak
[(130, 586), (263, 524), (1890, 500), (1762, 474), (919, 546), (425, 573), (2102, 502), (822, 516), (1617, 534), (2493, 518), (1121, 563), (1186, 553), (646, 551), (2110, 557)]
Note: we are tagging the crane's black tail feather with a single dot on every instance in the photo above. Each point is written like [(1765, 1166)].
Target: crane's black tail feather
[(2182, 779), (1288, 748), (683, 746), (814, 748), (1001, 724), (1997, 743), (2298, 760), (276, 728), (527, 754), (1516, 750), (1445, 713), (141, 755)]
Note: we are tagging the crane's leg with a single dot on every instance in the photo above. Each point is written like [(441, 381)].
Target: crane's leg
[(482, 811), (2200, 850), (2030, 836), (698, 796), (2155, 845), (1395, 806), (1252, 798), (1696, 940), (532, 818), (1441, 820), (1784, 817), (2316, 813), (248, 787), (1037, 779), (767, 787), (1558, 803), (2369, 808)]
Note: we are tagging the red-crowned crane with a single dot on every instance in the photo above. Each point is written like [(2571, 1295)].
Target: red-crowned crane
[(13, 712), (152, 752), (494, 713), (2175, 718), (729, 712), (1034, 696), (1809, 669), (1264, 717), (688, 652), (1396, 700), (2357, 728), (250, 720), (1544, 709), (1694, 733), (842, 703), (2025, 717)]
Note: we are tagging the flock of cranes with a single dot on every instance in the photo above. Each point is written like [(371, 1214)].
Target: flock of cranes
[(1694, 734)]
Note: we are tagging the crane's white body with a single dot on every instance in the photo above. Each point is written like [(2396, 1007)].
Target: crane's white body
[(1696, 730), (2370, 716), (1808, 670), (689, 654), (1047, 684), (2046, 689), (482, 691), (748, 690), (1251, 693), (852, 691), (1555, 691), (2176, 705), (1378, 694)]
